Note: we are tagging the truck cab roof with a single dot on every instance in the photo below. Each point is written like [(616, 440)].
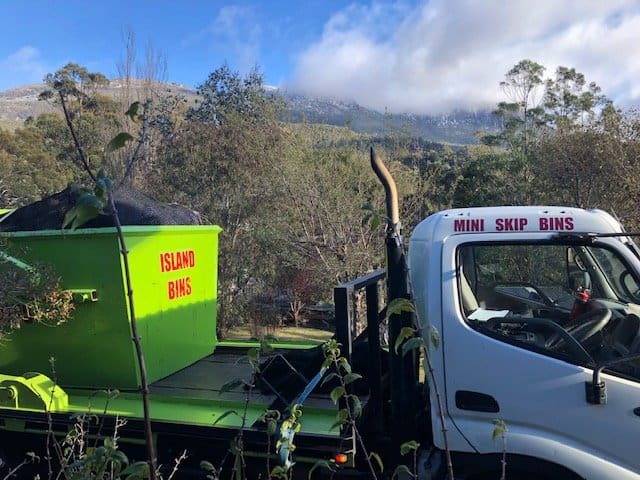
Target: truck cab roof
[(508, 219)]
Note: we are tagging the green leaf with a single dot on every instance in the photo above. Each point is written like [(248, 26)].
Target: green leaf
[(356, 406), (278, 472), (132, 113), (272, 425), (296, 411), (120, 457), (320, 464), (378, 460), (337, 393), (104, 185), (230, 385), (410, 446), (434, 336), (326, 363), (224, 415), (118, 142), (266, 347), (87, 208), (329, 377), (405, 332), (375, 222), (207, 466), (136, 470), (344, 363), (499, 429), (412, 344), (341, 418), (399, 305), (402, 469), (351, 377), (32, 456)]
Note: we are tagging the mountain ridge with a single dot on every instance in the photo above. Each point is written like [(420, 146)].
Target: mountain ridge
[(19, 103)]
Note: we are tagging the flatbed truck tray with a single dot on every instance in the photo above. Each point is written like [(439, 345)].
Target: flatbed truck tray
[(189, 411)]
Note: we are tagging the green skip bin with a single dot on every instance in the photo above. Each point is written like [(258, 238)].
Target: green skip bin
[(174, 281)]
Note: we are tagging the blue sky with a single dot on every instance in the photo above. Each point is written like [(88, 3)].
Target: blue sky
[(422, 56), (195, 36)]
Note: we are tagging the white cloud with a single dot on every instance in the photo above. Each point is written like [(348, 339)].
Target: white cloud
[(23, 66), (235, 31), (447, 54)]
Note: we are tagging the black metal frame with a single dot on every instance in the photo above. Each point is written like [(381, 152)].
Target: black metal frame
[(345, 318)]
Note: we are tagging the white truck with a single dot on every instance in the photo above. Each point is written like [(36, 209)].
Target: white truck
[(537, 311)]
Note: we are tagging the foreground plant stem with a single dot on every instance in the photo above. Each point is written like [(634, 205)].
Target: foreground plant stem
[(148, 434), (443, 424)]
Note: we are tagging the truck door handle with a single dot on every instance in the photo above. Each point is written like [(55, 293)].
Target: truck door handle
[(637, 411), (476, 401)]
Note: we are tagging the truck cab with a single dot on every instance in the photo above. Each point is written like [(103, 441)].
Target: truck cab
[(531, 304)]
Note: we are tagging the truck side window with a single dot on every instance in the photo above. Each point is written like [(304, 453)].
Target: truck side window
[(578, 303)]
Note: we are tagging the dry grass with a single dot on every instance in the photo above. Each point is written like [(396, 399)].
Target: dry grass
[(296, 334)]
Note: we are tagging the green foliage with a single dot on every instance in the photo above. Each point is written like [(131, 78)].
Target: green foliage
[(499, 429), (378, 459), (80, 458), (397, 306), (90, 203), (31, 294), (284, 445), (402, 470), (225, 93), (351, 377), (118, 142), (374, 217), (495, 179), (73, 80), (412, 344), (211, 473), (321, 464), (132, 111), (271, 418), (337, 393), (569, 100), (29, 162), (434, 336), (342, 418), (409, 447), (405, 333)]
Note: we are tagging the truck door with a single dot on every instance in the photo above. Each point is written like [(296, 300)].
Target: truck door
[(525, 354)]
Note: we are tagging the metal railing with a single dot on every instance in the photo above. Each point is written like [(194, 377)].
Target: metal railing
[(344, 297)]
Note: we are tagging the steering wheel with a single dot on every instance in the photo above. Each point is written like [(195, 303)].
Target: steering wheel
[(575, 348), (587, 325), (537, 298)]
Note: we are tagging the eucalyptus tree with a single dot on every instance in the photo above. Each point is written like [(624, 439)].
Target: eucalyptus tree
[(523, 86)]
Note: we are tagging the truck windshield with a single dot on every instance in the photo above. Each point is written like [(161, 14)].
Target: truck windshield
[(580, 301)]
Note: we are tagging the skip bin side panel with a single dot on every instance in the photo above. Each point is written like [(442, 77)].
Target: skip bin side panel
[(93, 349), (174, 282)]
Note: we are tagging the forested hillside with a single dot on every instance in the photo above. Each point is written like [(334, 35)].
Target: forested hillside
[(458, 127), (290, 196)]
